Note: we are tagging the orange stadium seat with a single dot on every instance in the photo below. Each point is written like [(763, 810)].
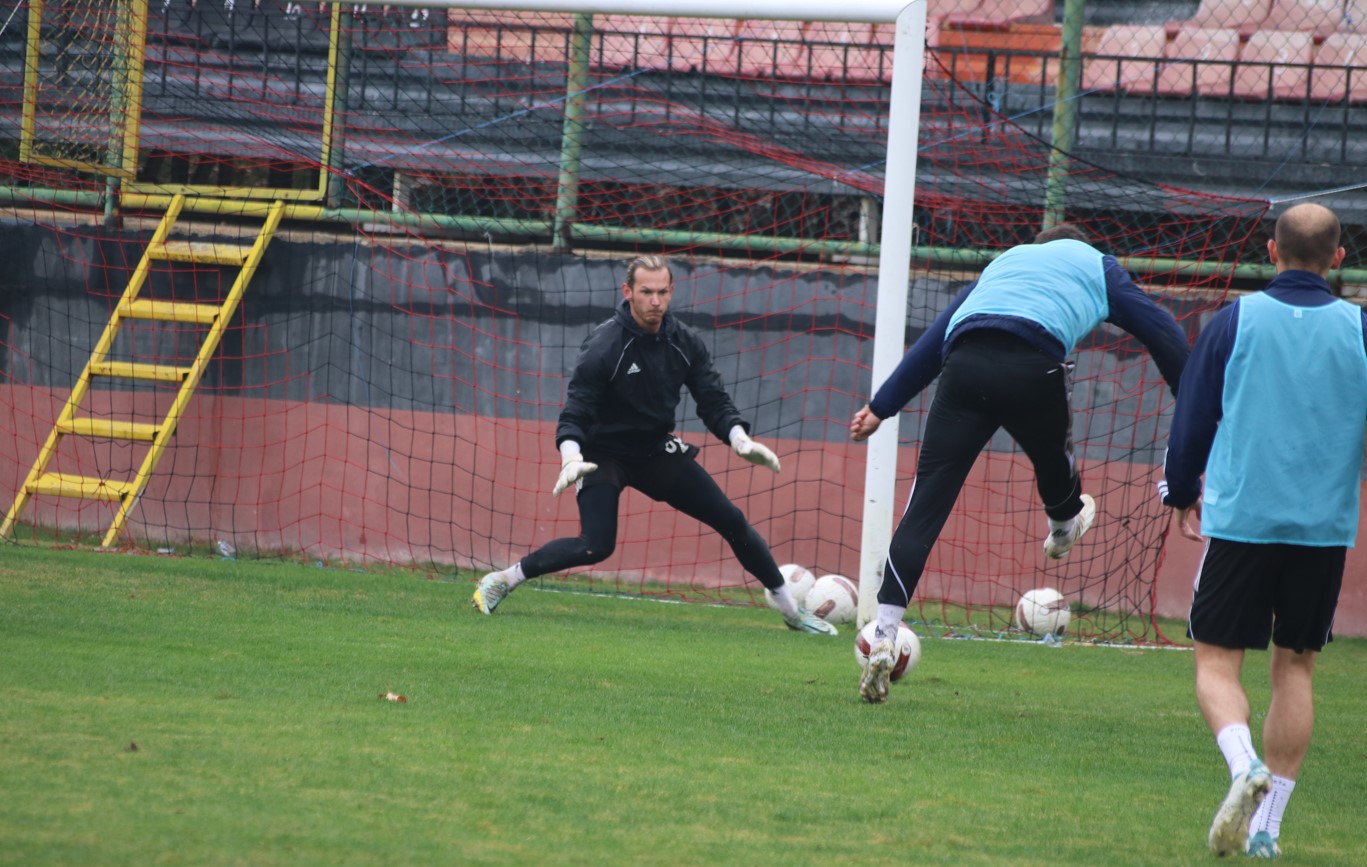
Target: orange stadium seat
[(845, 52), (1276, 64), (704, 44), (1001, 13), (936, 10), (1200, 61), (510, 36), (1144, 43), (773, 49), (1339, 69), (630, 42), (1317, 17), (1245, 16)]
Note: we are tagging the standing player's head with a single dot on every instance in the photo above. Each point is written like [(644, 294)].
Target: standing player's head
[(1306, 238), (648, 288), (1071, 231)]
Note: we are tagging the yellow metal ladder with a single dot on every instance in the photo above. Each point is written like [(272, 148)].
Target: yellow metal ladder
[(214, 317)]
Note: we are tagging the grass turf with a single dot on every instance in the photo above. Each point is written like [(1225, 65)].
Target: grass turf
[(193, 711)]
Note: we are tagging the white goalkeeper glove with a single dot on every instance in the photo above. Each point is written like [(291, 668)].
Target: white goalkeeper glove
[(573, 467), (751, 450)]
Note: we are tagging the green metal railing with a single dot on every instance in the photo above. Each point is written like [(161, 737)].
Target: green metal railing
[(563, 231), (967, 259)]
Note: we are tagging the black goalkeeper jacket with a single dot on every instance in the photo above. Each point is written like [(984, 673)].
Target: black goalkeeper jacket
[(625, 389)]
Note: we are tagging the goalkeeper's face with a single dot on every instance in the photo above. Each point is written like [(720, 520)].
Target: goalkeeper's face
[(648, 296)]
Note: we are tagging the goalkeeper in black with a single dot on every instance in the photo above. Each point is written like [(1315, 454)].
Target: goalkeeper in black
[(616, 430)]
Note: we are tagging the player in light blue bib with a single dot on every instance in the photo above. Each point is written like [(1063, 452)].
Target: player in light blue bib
[(1272, 410)]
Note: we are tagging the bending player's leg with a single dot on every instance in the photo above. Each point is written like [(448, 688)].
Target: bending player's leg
[(1042, 425), (596, 541), (696, 494), (956, 430)]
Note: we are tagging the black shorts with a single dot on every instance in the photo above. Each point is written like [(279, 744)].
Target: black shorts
[(1247, 594), (653, 475)]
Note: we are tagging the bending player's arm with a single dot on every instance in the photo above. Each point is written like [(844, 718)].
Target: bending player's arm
[(917, 369), (1151, 324)]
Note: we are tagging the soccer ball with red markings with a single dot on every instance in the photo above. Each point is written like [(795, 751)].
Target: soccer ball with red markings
[(907, 645), (834, 598), (1043, 612)]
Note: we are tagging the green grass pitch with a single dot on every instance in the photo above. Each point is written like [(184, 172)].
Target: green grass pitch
[(177, 711)]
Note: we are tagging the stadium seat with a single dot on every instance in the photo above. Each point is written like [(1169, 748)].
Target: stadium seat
[(1245, 16), (1275, 65), (1354, 17), (773, 49), (510, 36), (1317, 17), (1200, 61), (1001, 13), (1339, 69), (703, 44), (630, 42), (1144, 44), (845, 52), (1019, 54)]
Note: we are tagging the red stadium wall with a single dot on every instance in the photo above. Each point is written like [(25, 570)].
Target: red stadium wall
[(323, 479)]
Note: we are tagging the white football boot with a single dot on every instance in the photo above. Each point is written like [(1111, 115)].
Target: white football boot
[(1058, 543), (1229, 830), (873, 685), (491, 590)]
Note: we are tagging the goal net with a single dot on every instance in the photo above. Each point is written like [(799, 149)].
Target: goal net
[(463, 191)]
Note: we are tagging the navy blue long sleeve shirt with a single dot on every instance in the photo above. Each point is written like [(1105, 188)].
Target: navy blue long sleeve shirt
[(1198, 413), (1129, 309)]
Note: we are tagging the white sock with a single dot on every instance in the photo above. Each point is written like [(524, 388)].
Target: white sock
[(1269, 815), (1065, 526), (1237, 745), (783, 598), (889, 616), (514, 575)]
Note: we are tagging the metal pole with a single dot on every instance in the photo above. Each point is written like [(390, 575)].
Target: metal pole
[(1065, 112), (894, 274), (572, 131), (338, 95), (124, 22)]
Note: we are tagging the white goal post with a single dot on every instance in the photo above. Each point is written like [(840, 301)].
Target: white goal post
[(894, 255)]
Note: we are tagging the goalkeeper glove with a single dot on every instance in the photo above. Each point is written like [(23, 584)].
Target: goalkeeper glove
[(751, 450), (573, 467)]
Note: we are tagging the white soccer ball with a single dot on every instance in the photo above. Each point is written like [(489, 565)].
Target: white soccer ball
[(834, 598), (1043, 612), (907, 647), (799, 580)]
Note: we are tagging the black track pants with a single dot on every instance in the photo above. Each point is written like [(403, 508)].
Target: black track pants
[(990, 380), (693, 491)]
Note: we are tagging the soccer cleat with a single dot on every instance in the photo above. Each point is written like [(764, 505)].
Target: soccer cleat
[(1229, 830), (1261, 845), (491, 590), (873, 685), (1058, 543), (810, 623)]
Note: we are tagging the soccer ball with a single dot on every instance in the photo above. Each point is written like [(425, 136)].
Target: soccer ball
[(907, 647), (799, 580), (834, 599), (1043, 612)]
